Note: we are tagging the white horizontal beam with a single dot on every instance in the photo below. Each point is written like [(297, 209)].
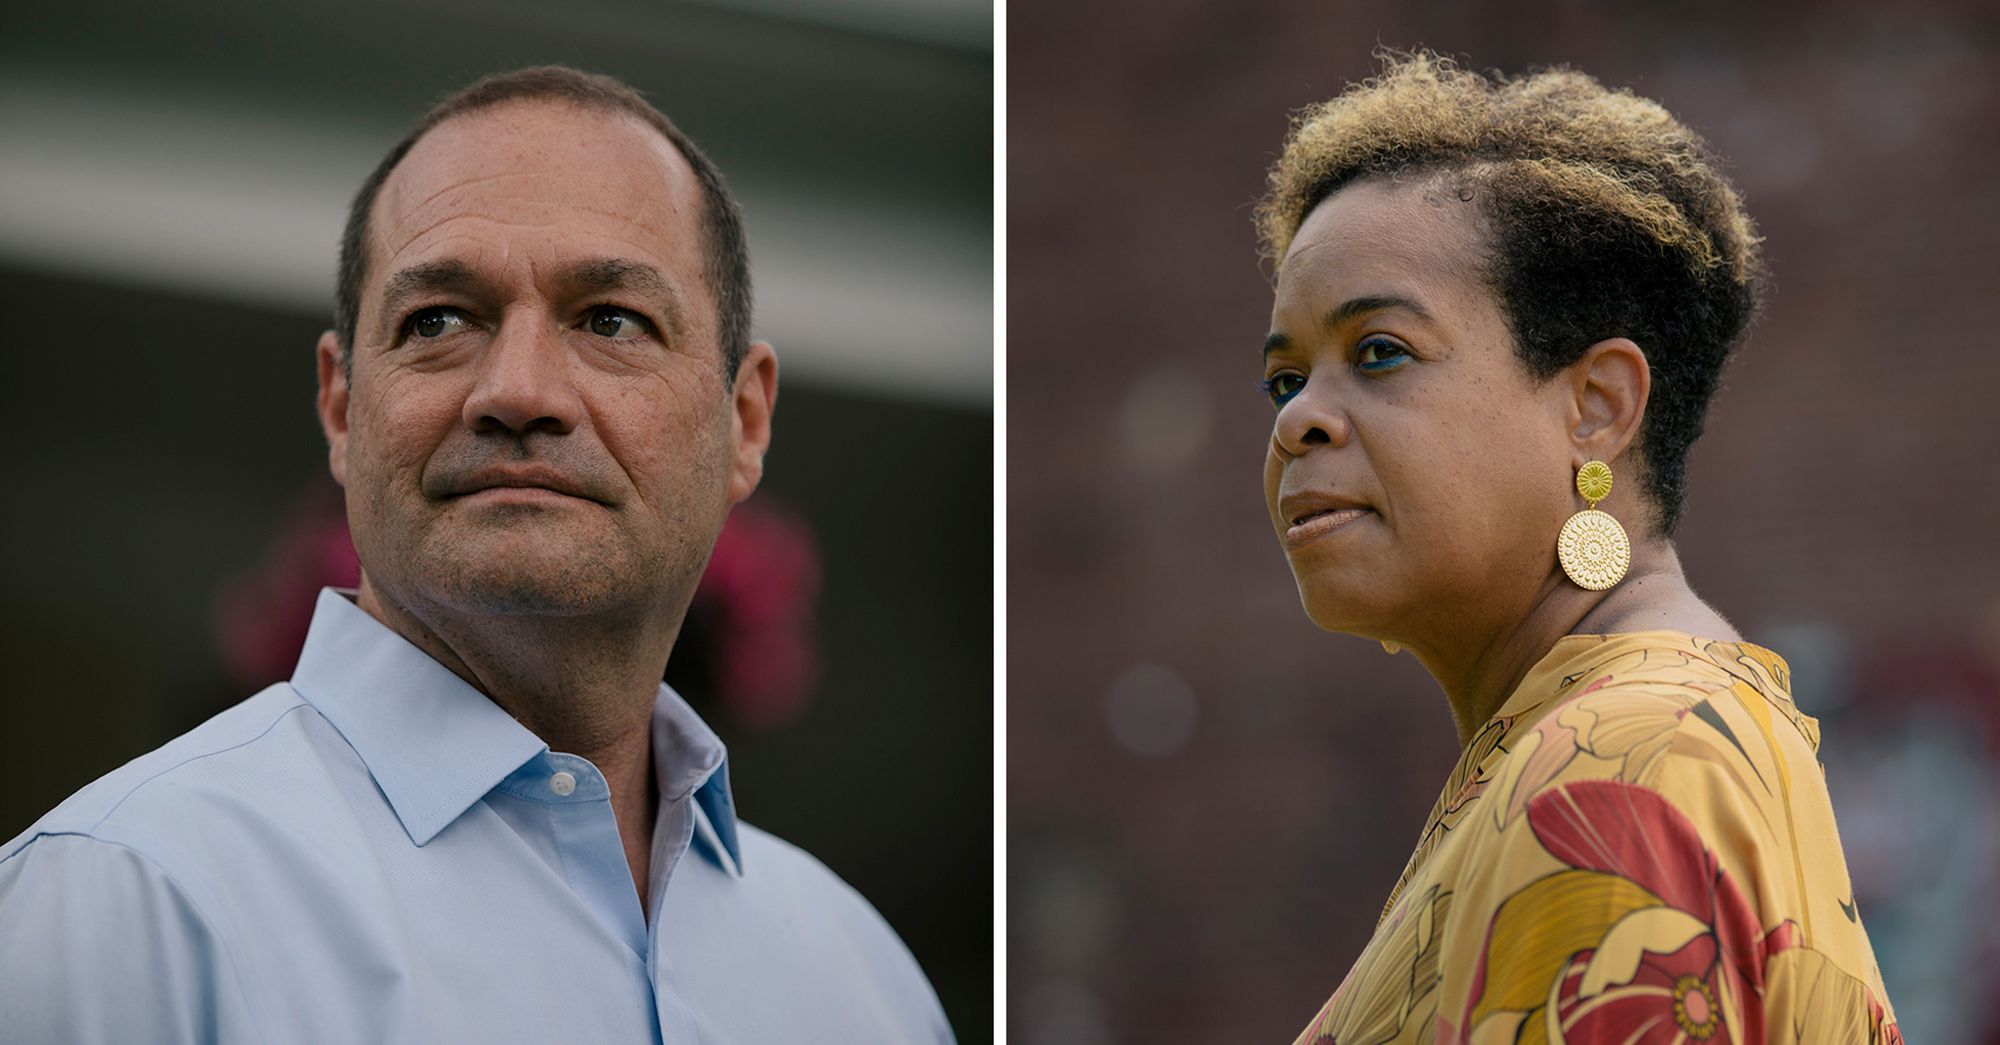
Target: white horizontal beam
[(232, 206)]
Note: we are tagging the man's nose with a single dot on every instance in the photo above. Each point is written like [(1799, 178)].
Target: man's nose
[(525, 382)]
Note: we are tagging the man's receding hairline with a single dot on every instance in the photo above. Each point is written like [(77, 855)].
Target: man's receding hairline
[(725, 254)]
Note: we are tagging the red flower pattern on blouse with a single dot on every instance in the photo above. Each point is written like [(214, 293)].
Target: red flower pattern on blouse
[(1621, 829)]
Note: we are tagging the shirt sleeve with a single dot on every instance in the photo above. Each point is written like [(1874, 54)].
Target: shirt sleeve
[(1760, 809), (98, 945)]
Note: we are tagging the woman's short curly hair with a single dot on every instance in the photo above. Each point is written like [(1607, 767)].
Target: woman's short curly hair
[(1606, 216)]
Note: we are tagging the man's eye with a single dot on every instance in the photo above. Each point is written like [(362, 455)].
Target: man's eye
[(611, 321), (1282, 387), (436, 321)]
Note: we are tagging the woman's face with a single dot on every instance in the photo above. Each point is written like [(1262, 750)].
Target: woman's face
[(1417, 476)]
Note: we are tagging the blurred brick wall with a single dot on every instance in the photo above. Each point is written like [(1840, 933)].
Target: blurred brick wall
[(1209, 798)]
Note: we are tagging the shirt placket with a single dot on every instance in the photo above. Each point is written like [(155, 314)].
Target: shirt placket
[(593, 855)]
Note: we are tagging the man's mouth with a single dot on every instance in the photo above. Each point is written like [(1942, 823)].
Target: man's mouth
[(517, 495)]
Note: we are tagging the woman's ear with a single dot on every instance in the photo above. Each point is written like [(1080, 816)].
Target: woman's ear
[(1609, 385)]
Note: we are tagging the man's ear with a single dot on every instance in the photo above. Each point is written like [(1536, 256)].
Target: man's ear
[(752, 402), (1609, 386), (333, 404)]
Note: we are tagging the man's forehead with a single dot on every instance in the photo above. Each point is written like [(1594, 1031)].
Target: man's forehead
[(541, 164)]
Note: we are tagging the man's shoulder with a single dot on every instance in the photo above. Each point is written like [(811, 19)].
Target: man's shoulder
[(198, 773), (838, 932), (787, 870)]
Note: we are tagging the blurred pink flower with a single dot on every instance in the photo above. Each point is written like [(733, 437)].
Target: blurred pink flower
[(751, 630), (759, 596), (260, 618)]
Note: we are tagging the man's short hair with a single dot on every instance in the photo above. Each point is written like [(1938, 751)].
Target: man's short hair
[(728, 267), (1607, 218)]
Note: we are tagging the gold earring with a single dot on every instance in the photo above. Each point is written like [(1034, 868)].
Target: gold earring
[(1593, 548), (1391, 648)]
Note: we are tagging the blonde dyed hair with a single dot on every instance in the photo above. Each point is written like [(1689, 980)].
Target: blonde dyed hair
[(1606, 217)]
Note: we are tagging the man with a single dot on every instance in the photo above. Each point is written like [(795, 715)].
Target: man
[(475, 814)]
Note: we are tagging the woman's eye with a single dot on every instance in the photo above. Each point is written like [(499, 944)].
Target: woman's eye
[(1280, 388), (1380, 353), (613, 322), (436, 321)]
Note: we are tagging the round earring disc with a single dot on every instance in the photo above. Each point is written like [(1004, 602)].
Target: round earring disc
[(1593, 550)]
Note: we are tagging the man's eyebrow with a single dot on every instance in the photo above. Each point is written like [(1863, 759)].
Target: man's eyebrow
[(1350, 310), (427, 278), (603, 274), (612, 274)]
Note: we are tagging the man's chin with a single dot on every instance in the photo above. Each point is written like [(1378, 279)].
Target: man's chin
[(517, 599), (525, 574), (515, 588)]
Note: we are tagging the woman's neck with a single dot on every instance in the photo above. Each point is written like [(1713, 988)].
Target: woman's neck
[(1480, 671)]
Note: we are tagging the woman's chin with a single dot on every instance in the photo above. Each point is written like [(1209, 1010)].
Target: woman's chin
[(1342, 615)]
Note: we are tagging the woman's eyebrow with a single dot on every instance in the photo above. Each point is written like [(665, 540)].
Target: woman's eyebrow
[(1354, 308), (1350, 310)]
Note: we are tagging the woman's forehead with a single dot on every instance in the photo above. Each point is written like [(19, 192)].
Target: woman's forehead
[(1377, 223), (1412, 239)]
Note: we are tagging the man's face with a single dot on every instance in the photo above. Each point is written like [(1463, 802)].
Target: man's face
[(538, 421)]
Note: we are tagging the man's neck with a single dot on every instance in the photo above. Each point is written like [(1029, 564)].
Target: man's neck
[(1480, 668), (585, 686)]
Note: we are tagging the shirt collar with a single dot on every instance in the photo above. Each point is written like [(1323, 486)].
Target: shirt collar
[(689, 759), (435, 745), (1582, 659)]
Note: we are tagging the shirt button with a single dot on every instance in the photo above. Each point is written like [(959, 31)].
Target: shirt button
[(563, 782)]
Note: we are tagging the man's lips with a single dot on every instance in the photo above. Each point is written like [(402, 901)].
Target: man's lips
[(518, 484), (515, 494)]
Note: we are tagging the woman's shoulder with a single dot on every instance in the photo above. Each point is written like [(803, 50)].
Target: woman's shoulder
[(1634, 697), (1660, 710), (1676, 776)]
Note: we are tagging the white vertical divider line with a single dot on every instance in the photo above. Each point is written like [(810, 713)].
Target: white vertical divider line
[(1000, 520)]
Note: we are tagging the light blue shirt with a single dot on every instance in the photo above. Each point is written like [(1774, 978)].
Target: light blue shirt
[(378, 853)]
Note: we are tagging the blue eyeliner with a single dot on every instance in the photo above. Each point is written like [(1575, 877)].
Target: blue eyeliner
[(1402, 355), (1268, 386)]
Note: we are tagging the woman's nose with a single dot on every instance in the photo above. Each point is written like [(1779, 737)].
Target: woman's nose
[(1308, 420)]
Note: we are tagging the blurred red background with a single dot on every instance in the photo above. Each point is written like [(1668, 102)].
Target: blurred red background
[(1209, 798)]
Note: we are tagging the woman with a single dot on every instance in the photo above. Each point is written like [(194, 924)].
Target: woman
[(1502, 307)]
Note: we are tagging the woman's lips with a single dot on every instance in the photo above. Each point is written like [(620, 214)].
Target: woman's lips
[(1320, 524)]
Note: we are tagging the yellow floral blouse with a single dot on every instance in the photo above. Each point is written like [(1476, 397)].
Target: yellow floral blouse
[(1637, 849)]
